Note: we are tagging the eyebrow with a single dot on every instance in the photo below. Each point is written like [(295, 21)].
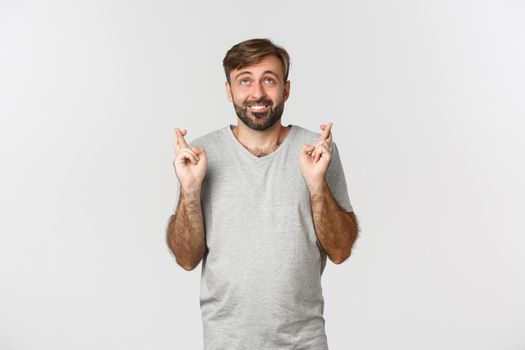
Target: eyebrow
[(250, 73)]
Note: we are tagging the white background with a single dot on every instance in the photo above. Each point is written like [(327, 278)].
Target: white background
[(427, 100)]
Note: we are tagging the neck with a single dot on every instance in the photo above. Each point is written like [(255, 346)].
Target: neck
[(260, 142)]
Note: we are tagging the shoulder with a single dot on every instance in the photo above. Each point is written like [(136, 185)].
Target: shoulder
[(212, 138), (306, 135)]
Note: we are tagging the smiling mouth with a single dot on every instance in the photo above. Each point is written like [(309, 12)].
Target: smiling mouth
[(259, 107)]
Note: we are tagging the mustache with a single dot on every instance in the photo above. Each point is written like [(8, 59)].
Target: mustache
[(262, 101)]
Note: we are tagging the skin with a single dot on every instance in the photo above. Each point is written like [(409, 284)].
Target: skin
[(261, 81), (336, 229), (185, 234), (260, 133)]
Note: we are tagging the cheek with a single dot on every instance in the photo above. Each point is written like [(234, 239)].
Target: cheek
[(240, 96), (279, 97)]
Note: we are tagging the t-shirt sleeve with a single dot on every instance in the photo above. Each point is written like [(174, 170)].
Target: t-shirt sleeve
[(177, 194), (335, 177)]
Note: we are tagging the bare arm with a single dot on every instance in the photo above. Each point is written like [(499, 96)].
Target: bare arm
[(336, 229), (185, 234)]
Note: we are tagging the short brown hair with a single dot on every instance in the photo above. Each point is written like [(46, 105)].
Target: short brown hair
[(252, 51)]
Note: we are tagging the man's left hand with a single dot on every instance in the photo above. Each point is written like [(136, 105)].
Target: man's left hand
[(314, 160)]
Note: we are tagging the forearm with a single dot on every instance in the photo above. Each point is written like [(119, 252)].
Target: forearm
[(186, 236), (336, 229)]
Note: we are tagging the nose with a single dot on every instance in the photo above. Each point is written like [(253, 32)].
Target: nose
[(258, 91)]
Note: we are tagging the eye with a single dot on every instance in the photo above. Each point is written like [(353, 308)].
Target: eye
[(244, 81), (270, 80)]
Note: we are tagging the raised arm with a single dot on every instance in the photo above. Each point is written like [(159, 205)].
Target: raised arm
[(336, 229), (185, 234)]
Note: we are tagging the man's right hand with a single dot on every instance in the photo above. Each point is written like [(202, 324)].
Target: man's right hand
[(190, 164)]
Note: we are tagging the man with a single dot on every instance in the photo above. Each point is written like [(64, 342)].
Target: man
[(262, 205)]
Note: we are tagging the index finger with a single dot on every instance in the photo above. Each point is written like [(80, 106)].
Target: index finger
[(180, 138)]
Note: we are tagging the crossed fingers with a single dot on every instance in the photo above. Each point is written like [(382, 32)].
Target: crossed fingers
[(180, 142), (181, 146), (327, 133), (325, 141)]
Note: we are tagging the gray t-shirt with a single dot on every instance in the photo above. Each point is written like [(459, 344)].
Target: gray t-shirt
[(261, 279)]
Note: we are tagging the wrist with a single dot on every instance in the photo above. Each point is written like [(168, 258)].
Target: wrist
[(317, 187), (191, 193)]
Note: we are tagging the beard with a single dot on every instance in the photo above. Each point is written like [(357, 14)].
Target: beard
[(258, 120)]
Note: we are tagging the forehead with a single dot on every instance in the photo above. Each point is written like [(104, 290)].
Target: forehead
[(268, 63)]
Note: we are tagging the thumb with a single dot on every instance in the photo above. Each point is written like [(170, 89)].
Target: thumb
[(308, 147), (198, 150)]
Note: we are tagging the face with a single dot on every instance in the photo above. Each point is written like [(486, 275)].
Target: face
[(258, 93)]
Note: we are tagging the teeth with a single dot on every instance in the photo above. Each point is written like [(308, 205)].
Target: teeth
[(258, 107)]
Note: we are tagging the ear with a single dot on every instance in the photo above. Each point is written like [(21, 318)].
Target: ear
[(228, 91), (286, 91)]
